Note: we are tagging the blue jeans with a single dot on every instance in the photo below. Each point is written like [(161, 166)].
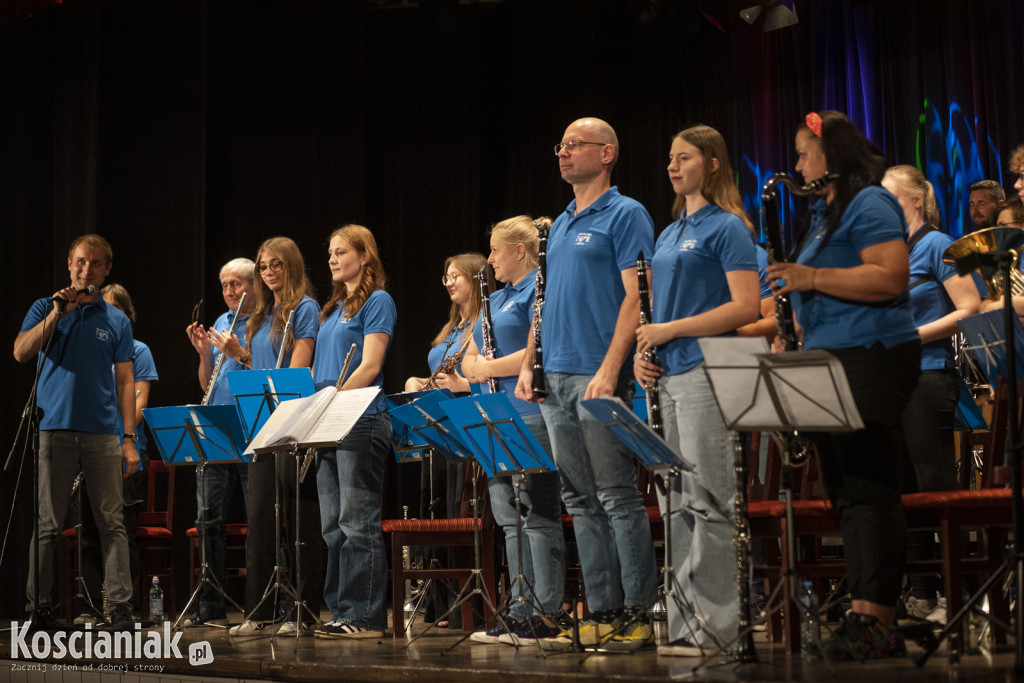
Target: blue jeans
[(613, 533), (212, 498), (60, 453), (543, 547), (703, 555), (349, 481)]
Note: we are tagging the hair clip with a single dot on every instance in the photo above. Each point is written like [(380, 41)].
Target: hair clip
[(813, 121)]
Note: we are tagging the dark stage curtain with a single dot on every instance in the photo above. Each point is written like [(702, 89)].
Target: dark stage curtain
[(187, 131)]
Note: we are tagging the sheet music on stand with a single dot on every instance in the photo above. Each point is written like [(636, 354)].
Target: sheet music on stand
[(986, 338), (258, 393), (430, 423), (407, 445), (501, 441), (187, 435), (760, 391), (635, 434), (317, 421)]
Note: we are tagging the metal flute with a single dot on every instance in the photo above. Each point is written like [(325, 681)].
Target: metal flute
[(220, 358), (284, 339), (307, 460), (490, 349)]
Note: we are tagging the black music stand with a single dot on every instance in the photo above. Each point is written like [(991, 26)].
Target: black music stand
[(990, 251), (657, 456), (783, 393), (504, 447), (214, 434)]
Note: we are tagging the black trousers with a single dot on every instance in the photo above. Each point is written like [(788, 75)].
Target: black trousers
[(861, 469), (260, 553)]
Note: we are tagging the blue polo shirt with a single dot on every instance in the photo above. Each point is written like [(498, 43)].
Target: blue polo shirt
[(338, 333), (688, 275), (511, 312), (144, 369), (586, 255), (830, 322), (449, 346), (305, 325), (929, 300), (762, 272), (76, 387), (221, 394)]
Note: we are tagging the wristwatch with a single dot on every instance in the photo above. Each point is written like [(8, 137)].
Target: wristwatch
[(132, 435)]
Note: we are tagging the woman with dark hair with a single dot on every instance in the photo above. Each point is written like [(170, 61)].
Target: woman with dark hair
[(514, 255), (849, 286), (704, 283), (349, 476), (442, 482), (282, 287)]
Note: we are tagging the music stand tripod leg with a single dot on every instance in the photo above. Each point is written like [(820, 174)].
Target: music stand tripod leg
[(81, 589)]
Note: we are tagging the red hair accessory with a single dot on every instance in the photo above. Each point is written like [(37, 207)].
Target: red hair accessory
[(813, 121)]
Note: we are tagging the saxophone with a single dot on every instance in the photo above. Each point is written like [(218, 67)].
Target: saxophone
[(490, 349), (539, 386), (650, 355), (220, 358)]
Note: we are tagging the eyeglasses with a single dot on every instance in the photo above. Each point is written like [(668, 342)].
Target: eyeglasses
[(447, 280), (276, 265), (573, 145), (195, 312)]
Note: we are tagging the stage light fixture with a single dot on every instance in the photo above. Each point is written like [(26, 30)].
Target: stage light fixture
[(777, 14)]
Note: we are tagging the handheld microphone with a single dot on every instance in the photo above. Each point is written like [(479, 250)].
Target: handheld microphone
[(88, 291)]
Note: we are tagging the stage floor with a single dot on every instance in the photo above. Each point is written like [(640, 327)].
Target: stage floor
[(389, 660)]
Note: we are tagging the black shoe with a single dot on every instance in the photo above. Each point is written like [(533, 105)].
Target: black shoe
[(42, 620), (121, 618), (861, 637)]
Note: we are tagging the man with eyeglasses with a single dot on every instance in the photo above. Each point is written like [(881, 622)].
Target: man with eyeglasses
[(85, 409), (591, 309), (213, 492)]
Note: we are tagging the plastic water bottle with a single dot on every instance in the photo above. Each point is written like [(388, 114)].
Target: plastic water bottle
[(810, 626), (156, 602)]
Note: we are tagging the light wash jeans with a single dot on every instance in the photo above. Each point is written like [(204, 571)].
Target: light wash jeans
[(214, 494), (613, 533), (703, 555), (543, 545), (60, 453), (349, 481)]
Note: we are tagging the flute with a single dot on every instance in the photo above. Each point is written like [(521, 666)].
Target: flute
[(489, 349), (308, 458), (650, 355), (284, 339), (220, 358)]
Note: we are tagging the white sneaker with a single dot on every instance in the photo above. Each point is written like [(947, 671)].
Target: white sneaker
[(86, 618), (920, 608), (288, 629), (250, 628), (938, 614)]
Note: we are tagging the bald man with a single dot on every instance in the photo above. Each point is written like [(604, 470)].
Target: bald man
[(591, 310)]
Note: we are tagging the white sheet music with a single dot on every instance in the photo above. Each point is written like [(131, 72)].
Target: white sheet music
[(342, 413), (314, 421)]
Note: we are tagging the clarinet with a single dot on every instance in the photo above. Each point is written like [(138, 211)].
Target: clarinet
[(745, 651), (539, 387), (284, 339), (220, 358), (784, 325), (650, 355), (490, 349)]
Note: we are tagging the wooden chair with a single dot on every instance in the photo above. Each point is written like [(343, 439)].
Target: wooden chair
[(448, 533), (155, 535)]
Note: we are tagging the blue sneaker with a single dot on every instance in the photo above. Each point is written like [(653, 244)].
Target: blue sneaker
[(527, 632), (492, 635)]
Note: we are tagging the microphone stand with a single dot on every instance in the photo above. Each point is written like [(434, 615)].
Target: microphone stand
[(31, 413)]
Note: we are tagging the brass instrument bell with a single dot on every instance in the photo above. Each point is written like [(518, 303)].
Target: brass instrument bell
[(977, 251)]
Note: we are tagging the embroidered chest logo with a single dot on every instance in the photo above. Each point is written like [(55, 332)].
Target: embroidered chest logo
[(102, 335), (688, 245), (507, 306), (583, 238)]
